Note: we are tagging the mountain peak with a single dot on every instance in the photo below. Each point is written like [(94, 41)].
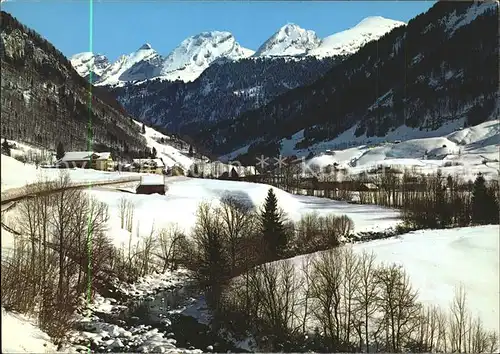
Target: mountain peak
[(145, 46), (351, 40), (290, 26), (197, 52), (212, 34), (290, 39), (87, 61), (378, 21)]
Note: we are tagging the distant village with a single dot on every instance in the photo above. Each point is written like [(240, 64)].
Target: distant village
[(103, 161)]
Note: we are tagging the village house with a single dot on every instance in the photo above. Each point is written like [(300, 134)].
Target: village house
[(219, 169), (87, 159), (149, 166)]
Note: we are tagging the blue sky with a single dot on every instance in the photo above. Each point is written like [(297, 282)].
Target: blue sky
[(122, 26)]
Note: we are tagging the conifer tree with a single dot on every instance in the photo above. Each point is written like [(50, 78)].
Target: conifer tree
[(191, 151), (143, 129), (60, 151), (484, 204), (6, 147), (273, 231), (153, 153)]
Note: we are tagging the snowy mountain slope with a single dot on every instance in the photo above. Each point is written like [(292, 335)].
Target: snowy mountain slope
[(349, 41), (230, 88), (86, 62), (125, 68), (186, 62), (169, 154), (40, 81), (463, 152), (419, 76), (289, 40), (456, 21), (196, 53)]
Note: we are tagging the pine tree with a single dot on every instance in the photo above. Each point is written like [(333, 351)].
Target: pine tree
[(153, 153), (143, 129), (6, 147), (191, 151), (479, 197), (273, 231), (484, 204), (60, 151)]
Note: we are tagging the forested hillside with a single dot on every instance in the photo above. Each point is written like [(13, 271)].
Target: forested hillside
[(442, 67), (223, 91), (44, 100)]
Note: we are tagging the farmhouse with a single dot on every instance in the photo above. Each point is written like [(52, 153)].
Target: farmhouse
[(233, 175), (87, 159), (149, 166)]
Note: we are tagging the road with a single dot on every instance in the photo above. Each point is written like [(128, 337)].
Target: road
[(16, 194)]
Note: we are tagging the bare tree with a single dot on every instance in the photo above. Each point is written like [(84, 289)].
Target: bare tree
[(276, 287), (344, 226), (238, 221), (458, 320), (126, 209), (398, 304), (170, 242), (306, 289), (349, 286), (366, 294), (327, 277), (61, 247)]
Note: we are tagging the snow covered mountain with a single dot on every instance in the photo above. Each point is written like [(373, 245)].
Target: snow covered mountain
[(289, 40), (86, 61), (292, 40), (196, 53), (144, 63), (439, 69), (232, 87), (349, 41), (185, 63)]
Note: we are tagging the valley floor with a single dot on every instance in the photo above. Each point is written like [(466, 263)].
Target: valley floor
[(436, 260)]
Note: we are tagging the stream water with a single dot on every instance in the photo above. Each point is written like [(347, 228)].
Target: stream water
[(164, 312)]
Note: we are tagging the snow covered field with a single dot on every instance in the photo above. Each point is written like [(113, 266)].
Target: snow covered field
[(15, 174), (179, 205), (437, 261), (23, 336), (453, 150)]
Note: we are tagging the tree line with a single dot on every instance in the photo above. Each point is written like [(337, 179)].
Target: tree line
[(341, 301), (426, 200)]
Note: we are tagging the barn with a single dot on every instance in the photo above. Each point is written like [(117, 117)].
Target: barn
[(151, 185)]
